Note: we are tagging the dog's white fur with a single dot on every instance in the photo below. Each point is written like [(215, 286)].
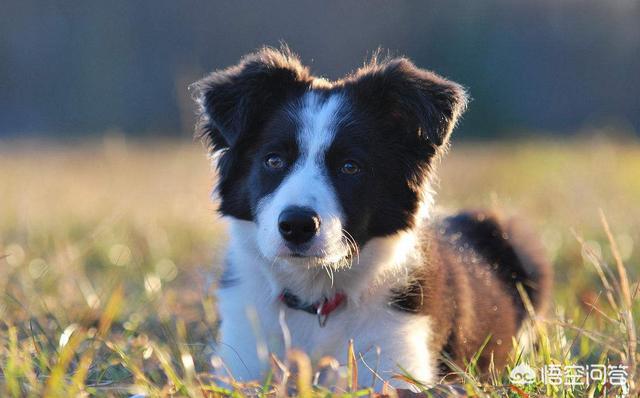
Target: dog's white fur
[(256, 323), (252, 310)]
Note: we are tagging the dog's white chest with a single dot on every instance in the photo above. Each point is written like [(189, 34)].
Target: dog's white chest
[(256, 323), (383, 339)]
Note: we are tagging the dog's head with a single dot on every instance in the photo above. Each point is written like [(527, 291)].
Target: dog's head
[(322, 167)]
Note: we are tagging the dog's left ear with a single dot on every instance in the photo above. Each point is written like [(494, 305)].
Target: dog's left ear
[(427, 103)]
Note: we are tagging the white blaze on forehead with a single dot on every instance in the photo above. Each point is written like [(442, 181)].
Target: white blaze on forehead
[(318, 121), (308, 184)]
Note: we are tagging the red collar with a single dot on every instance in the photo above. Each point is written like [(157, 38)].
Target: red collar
[(322, 308)]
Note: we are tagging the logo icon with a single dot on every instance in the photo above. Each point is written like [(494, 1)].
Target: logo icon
[(522, 374)]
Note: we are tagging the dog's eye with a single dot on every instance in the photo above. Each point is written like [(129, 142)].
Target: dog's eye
[(274, 161), (350, 168)]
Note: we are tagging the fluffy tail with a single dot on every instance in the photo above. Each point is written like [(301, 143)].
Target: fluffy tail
[(513, 251)]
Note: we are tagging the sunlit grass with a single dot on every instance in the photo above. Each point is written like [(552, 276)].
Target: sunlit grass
[(107, 252)]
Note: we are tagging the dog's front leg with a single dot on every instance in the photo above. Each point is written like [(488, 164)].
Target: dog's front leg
[(393, 345), (238, 347)]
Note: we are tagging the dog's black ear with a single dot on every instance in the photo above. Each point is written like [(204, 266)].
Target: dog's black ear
[(238, 99), (426, 102)]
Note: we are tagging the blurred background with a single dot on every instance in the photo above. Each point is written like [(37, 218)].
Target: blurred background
[(104, 195), (76, 68)]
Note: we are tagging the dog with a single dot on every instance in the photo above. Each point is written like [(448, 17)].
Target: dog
[(326, 186)]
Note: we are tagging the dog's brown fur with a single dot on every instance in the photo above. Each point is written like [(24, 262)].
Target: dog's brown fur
[(468, 286)]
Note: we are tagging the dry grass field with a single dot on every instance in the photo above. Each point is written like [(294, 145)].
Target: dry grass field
[(107, 252)]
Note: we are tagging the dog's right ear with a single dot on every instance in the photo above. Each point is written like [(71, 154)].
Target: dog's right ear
[(238, 99)]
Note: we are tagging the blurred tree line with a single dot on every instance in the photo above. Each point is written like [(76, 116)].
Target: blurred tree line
[(70, 68)]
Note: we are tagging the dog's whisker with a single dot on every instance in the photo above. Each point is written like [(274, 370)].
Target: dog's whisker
[(329, 272), (352, 246)]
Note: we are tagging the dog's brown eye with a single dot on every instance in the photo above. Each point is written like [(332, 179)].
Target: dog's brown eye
[(350, 168), (274, 161)]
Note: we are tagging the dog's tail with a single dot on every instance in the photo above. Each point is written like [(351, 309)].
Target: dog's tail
[(516, 256)]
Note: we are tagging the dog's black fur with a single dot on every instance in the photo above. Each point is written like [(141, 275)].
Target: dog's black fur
[(399, 121), (399, 112)]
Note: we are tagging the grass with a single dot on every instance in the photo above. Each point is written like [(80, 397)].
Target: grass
[(107, 251)]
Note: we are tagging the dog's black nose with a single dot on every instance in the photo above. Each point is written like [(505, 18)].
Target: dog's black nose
[(298, 224)]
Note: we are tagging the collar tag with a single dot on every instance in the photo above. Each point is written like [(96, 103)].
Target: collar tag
[(321, 308), (322, 316)]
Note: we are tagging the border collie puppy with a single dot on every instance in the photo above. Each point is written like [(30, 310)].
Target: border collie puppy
[(326, 188)]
